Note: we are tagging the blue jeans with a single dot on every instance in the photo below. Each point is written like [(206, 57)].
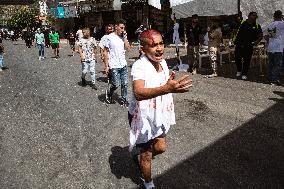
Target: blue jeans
[(89, 66), (274, 65), (119, 76), (40, 49), (1, 61)]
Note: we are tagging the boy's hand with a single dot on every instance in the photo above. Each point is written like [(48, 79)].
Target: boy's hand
[(106, 70), (82, 57), (178, 86)]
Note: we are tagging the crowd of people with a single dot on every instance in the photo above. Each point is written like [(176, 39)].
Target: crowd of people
[(151, 108), (246, 38)]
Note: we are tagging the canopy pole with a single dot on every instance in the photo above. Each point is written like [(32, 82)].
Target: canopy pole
[(239, 6)]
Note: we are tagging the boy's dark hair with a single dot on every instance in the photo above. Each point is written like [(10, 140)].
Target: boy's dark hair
[(252, 13), (278, 14), (120, 21), (194, 16)]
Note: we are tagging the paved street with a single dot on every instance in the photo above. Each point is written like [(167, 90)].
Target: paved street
[(56, 134)]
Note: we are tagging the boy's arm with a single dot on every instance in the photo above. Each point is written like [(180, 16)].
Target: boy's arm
[(95, 53), (82, 54), (105, 58), (259, 36), (127, 45), (172, 86)]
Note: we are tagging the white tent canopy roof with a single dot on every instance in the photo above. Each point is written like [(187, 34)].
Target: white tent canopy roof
[(186, 8)]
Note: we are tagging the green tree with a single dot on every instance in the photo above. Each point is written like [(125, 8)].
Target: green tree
[(24, 17)]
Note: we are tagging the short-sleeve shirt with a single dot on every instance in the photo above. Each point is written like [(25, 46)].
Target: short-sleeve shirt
[(275, 32), (193, 34), (88, 46), (103, 41), (247, 34), (115, 45), (54, 37), (151, 117), (39, 37)]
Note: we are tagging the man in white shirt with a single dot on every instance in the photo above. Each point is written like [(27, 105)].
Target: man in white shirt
[(115, 61), (151, 110), (275, 36), (108, 30)]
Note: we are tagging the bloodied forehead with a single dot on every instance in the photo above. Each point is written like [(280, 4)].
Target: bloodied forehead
[(149, 36)]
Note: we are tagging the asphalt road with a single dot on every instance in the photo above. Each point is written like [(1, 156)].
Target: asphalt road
[(56, 134)]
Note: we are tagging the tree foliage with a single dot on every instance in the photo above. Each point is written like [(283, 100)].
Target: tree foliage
[(24, 17)]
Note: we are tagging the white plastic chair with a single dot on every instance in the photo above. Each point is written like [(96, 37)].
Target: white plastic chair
[(203, 55)]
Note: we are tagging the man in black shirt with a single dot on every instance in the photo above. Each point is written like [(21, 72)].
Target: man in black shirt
[(248, 35), (193, 33)]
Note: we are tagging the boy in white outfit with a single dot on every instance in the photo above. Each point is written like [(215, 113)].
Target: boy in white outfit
[(88, 55), (151, 110)]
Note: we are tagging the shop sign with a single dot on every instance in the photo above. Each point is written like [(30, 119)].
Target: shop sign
[(70, 12), (86, 8)]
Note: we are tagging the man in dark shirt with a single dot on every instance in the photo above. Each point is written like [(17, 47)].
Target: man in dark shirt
[(193, 33), (248, 35)]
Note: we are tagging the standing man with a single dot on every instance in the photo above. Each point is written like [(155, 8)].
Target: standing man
[(71, 40), (215, 39), (115, 61), (39, 42), (28, 38), (151, 111), (248, 35), (2, 65), (138, 32), (54, 39), (88, 56), (275, 48), (108, 30), (193, 33), (79, 34), (1, 35)]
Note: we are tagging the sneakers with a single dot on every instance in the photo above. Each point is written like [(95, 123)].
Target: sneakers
[(211, 76), (275, 83), (1, 70), (149, 185), (244, 77), (84, 83), (39, 58), (94, 86), (124, 103), (239, 74), (109, 98)]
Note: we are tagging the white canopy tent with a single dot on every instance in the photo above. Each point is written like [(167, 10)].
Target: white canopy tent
[(186, 8)]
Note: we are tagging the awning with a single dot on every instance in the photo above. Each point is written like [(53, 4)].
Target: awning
[(186, 8), (155, 3)]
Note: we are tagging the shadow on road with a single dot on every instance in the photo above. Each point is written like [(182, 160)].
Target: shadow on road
[(249, 157), (102, 79), (122, 165)]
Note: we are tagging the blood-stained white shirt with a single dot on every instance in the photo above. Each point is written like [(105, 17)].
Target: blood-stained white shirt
[(152, 117)]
